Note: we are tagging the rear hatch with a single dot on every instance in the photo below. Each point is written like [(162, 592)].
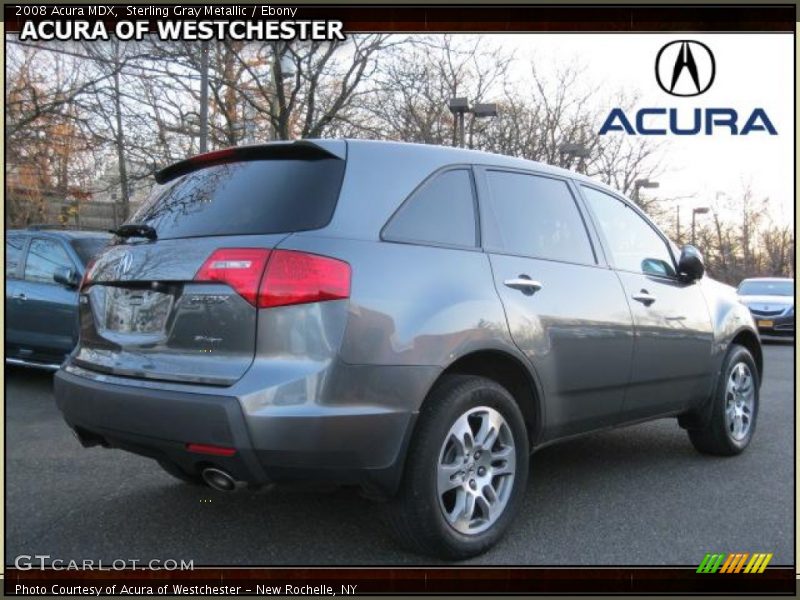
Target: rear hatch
[(182, 306)]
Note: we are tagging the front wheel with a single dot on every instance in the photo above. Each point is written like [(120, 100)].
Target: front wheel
[(735, 407), (466, 470)]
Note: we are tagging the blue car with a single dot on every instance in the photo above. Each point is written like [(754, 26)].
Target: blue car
[(43, 271)]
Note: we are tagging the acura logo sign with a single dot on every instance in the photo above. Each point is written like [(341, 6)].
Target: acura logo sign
[(685, 68)]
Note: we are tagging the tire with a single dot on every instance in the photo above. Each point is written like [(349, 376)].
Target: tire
[(179, 473), (721, 436), (417, 513)]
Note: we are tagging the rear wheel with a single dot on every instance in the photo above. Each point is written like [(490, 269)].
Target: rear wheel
[(466, 470), (735, 407)]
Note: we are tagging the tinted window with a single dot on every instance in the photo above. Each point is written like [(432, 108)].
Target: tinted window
[(633, 243), (535, 216), (14, 246), (442, 211), (88, 248), (262, 196), (44, 256), (766, 288)]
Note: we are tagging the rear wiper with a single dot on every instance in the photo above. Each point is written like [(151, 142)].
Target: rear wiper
[(135, 230)]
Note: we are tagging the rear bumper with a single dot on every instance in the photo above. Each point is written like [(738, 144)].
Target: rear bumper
[(158, 423), (346, 439)]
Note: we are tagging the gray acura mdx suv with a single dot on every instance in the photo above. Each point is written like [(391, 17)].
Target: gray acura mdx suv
[(412, 319)]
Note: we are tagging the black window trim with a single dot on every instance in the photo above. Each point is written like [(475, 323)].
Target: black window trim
[(637, 211), (577, 200), (55, 240), (23, 255), (384, 236)]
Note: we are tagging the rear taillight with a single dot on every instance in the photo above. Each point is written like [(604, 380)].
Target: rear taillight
[(297, 278), (86, 280), (290, 277), (240, 268)]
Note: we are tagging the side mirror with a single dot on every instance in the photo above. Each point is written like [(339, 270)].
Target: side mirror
[(691, 266), (66, 277)]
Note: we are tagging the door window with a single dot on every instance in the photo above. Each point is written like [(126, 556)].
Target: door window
[(633, 243), (441, 212), (44, 257), (14, 246), (535, 216)]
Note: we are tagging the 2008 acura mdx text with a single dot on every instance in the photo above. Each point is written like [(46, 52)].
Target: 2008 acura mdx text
[(412, 319)]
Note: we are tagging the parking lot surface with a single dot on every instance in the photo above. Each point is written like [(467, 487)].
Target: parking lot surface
[(635, 496)]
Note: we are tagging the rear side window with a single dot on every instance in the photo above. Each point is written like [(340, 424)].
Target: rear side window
[(251, 197), (534, 216), (441, 212), (14, 246)]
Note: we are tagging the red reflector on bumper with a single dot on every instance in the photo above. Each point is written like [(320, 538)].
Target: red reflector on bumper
[(208, 449)]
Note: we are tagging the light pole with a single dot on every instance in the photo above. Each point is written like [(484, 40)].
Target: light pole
[(700, 210), (460, 107), (204, 96), (642, 183), (573, 150)]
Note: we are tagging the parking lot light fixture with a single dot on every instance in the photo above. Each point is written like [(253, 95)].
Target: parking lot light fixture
[(482, 111), (574, 150), (460, 107), (642, 183), (700, 210)]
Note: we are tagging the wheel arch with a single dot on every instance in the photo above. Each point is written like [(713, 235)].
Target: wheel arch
[(749, 339), (700, 415), (513, 374)]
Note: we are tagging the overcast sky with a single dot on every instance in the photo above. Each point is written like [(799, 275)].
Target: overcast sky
[(753, 70)]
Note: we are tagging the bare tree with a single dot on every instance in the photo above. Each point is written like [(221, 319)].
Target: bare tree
[(740, 240), (415, 81)]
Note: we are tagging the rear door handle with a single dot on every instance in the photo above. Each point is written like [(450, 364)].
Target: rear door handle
[(644, 297), (526, 285), (19, 296)]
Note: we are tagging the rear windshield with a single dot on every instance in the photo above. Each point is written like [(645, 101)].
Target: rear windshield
[(240, 198), (88, 248), (766, 288)]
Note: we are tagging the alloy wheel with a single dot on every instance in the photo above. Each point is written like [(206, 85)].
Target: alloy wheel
[(740, 393), (475, 470)]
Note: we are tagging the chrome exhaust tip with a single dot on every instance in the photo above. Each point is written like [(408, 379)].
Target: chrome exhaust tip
[(219, 480)]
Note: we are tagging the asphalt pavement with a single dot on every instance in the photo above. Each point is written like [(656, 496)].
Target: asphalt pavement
[(635, 496)]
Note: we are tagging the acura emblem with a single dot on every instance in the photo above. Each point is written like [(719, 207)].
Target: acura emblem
[(685, 68)]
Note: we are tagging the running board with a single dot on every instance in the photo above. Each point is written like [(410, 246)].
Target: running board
[(36, 365)]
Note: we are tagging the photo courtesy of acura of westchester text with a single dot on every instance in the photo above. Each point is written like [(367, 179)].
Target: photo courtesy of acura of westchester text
[(442, 287)]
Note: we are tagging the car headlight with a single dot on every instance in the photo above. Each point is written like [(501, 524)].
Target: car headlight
[(790, 312)]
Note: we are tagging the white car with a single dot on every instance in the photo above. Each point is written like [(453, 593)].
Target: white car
[(771, 302)]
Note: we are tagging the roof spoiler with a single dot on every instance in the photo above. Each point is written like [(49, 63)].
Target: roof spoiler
[(299, 150)]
